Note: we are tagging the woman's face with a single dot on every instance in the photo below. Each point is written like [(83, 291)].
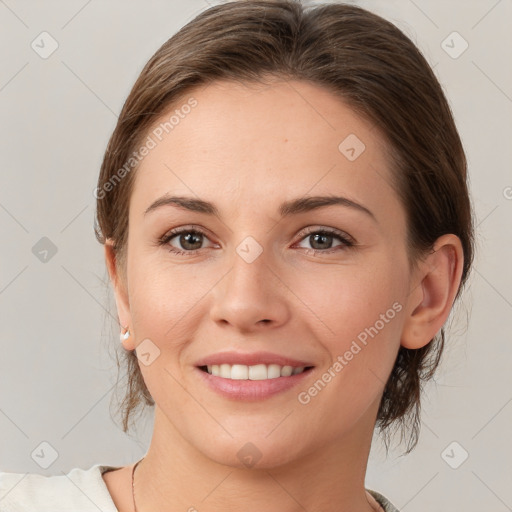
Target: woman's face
[(254, 283)]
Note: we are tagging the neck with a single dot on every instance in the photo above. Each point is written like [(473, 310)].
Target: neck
[(175, 476)]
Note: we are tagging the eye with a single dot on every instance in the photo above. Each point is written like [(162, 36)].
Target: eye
[(189, 240), (321, 240)]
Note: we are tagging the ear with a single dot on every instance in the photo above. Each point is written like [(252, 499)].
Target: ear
[(120, 291), (433, 292)]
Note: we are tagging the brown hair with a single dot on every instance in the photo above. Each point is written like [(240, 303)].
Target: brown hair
[(377, 71)]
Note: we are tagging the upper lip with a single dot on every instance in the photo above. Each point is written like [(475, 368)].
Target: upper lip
[(251, 359)]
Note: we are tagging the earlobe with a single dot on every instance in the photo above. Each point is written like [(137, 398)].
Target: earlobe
[(430, 301)]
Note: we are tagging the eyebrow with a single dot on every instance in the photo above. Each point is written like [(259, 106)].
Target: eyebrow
[(291, 207)]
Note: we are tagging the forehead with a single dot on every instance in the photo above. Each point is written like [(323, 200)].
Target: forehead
[(251, 142), (280, 111)]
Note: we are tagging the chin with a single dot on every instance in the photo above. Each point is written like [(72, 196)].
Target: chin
[(252, 452)]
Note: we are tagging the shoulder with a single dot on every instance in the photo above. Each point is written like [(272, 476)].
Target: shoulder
[(383, 501), (80, 490)]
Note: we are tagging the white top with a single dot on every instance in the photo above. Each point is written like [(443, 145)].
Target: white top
[(80, 490)]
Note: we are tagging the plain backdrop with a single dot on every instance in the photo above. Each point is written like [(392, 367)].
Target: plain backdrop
[(58, 323)]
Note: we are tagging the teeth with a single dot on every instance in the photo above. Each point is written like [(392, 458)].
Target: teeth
[(256, 372)]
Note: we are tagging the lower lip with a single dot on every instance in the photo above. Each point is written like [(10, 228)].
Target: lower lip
[(251, 389)]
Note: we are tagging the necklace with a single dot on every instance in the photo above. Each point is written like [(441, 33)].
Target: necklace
[(133, 484)]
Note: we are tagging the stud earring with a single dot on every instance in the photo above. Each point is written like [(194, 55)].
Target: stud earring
[(124, 335)]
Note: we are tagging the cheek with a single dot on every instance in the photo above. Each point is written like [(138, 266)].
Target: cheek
[(360, 316), (166, 299), (162, 308), (157, 286), (344, 300), (359, 310)]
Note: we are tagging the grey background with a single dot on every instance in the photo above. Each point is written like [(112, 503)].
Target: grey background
[(58, 329)]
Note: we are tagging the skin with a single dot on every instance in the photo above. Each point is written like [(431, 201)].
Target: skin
[(247, 148)]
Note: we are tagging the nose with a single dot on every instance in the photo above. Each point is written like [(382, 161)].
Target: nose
[(250, 296)]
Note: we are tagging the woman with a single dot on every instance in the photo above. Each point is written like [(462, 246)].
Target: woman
[(287, 225)]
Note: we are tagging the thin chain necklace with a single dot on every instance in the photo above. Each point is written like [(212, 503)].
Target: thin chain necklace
[(133, 484)]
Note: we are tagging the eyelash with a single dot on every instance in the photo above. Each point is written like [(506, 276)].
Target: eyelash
[(346, 240)]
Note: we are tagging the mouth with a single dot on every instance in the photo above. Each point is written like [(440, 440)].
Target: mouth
[(254, 372)]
